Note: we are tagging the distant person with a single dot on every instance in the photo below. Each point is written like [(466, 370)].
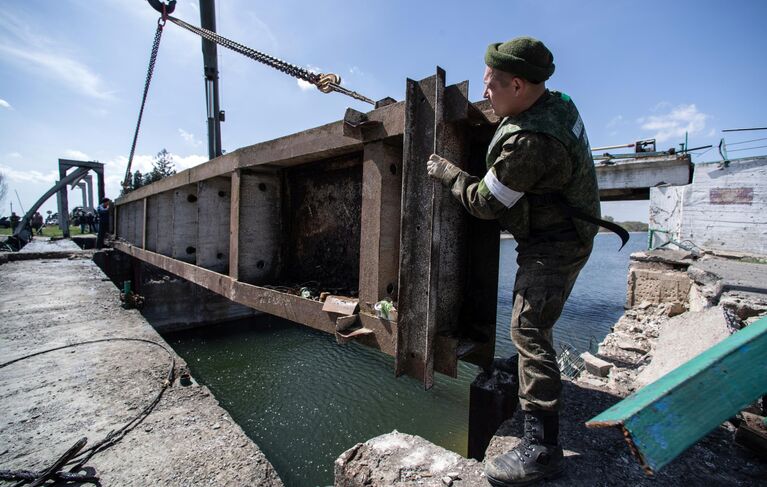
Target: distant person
[(37, 223), (90, 220), (14, 221), (103, 214)]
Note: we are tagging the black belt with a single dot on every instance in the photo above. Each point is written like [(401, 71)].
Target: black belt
[(558, 200)]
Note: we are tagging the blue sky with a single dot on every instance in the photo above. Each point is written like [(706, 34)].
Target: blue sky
[(72, 73)]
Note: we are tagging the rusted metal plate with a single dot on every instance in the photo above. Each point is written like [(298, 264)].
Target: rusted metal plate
[(322, 222), (415, 339), (731, 196), (340, 304), (448, 260)]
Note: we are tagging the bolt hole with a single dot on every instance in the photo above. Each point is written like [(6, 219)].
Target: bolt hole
[(393, 169), (390, 288), (190, 250), (418, 228), (260, 264), (262, 186), (219, 255), (191, 198), (222, 193)]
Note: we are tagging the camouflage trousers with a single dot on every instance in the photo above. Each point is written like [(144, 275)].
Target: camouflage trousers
[(536, 309)]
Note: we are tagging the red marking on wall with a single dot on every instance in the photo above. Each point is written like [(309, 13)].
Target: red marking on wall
[(731, 196)]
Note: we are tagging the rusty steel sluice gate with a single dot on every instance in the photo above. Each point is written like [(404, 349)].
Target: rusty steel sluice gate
[(348, 206)]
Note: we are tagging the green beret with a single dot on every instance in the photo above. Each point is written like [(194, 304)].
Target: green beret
[(525, 57)]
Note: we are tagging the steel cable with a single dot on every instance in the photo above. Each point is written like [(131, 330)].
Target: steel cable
[(150, 70), (324, 83), (113, 436)]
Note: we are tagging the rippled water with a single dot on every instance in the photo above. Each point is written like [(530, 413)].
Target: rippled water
[(304, 400)]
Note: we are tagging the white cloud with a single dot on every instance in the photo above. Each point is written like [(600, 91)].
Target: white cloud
[(5, 104), (32, 50), (13, 155), (72, 73), (189, 138), (76, 155), (615, 121), (30, 175), (193, 6), (114, 168), (356, 71), (263, 27), (188, 161), (674, 124)]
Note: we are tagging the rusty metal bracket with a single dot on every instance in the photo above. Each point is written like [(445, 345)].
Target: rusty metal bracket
[(347, 329), (341, 305), (355, 122)]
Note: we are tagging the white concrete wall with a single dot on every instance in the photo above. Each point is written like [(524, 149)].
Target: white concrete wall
[(725, 208)]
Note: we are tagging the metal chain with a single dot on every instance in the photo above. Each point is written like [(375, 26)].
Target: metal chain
[(323, 82), (150, 70)]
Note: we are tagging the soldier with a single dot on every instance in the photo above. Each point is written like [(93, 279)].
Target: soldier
[(541, 185)]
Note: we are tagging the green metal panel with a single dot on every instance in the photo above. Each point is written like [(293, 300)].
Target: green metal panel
[(666, 417)]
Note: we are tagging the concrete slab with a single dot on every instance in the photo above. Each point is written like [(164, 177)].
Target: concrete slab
[(45, 244), (735, 275), (683, 337), (52, 400)]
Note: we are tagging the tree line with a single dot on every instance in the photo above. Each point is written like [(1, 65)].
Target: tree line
[(162, 167)]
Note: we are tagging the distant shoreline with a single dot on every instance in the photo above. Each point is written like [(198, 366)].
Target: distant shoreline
[(508, 236)]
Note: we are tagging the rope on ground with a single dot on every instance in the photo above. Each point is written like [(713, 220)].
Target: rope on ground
[(80, 457)]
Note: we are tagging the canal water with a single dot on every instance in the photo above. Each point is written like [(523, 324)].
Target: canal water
[(304, 400)]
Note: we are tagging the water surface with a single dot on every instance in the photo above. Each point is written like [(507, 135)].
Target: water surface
[(304, 400)]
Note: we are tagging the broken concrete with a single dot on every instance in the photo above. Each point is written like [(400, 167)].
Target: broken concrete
[(681, 338), (398, 459), (592, 457), (52, 400), (595, 365), (601, 456)]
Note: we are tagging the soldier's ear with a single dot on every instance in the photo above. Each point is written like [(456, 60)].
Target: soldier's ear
[(517, 84)]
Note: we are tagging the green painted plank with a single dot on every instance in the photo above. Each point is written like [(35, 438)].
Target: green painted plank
[(666, 417)]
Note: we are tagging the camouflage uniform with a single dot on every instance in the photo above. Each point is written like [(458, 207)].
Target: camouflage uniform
[(539, 162)]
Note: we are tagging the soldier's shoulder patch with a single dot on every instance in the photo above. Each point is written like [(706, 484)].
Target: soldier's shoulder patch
[(578, 128), (565, 96)]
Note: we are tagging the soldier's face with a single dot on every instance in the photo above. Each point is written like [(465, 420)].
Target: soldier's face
[(502, 91)]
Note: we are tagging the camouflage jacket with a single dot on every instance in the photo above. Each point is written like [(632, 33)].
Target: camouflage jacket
[(543, 151)]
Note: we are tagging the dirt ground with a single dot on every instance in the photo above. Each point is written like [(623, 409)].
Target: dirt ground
[(50, 401)]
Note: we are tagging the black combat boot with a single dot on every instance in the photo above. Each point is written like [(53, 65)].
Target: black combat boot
[(538, 456)]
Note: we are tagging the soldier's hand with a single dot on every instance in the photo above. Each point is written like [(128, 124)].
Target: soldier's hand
[(440, 168)]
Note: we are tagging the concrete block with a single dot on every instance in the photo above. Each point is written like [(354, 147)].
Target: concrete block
[(213, 200), (398, 459), (185, 224), (260, 231), (595, 365), (657, 285), (159, 234)]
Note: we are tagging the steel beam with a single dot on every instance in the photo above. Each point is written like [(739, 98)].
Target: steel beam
[(295, 308)]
